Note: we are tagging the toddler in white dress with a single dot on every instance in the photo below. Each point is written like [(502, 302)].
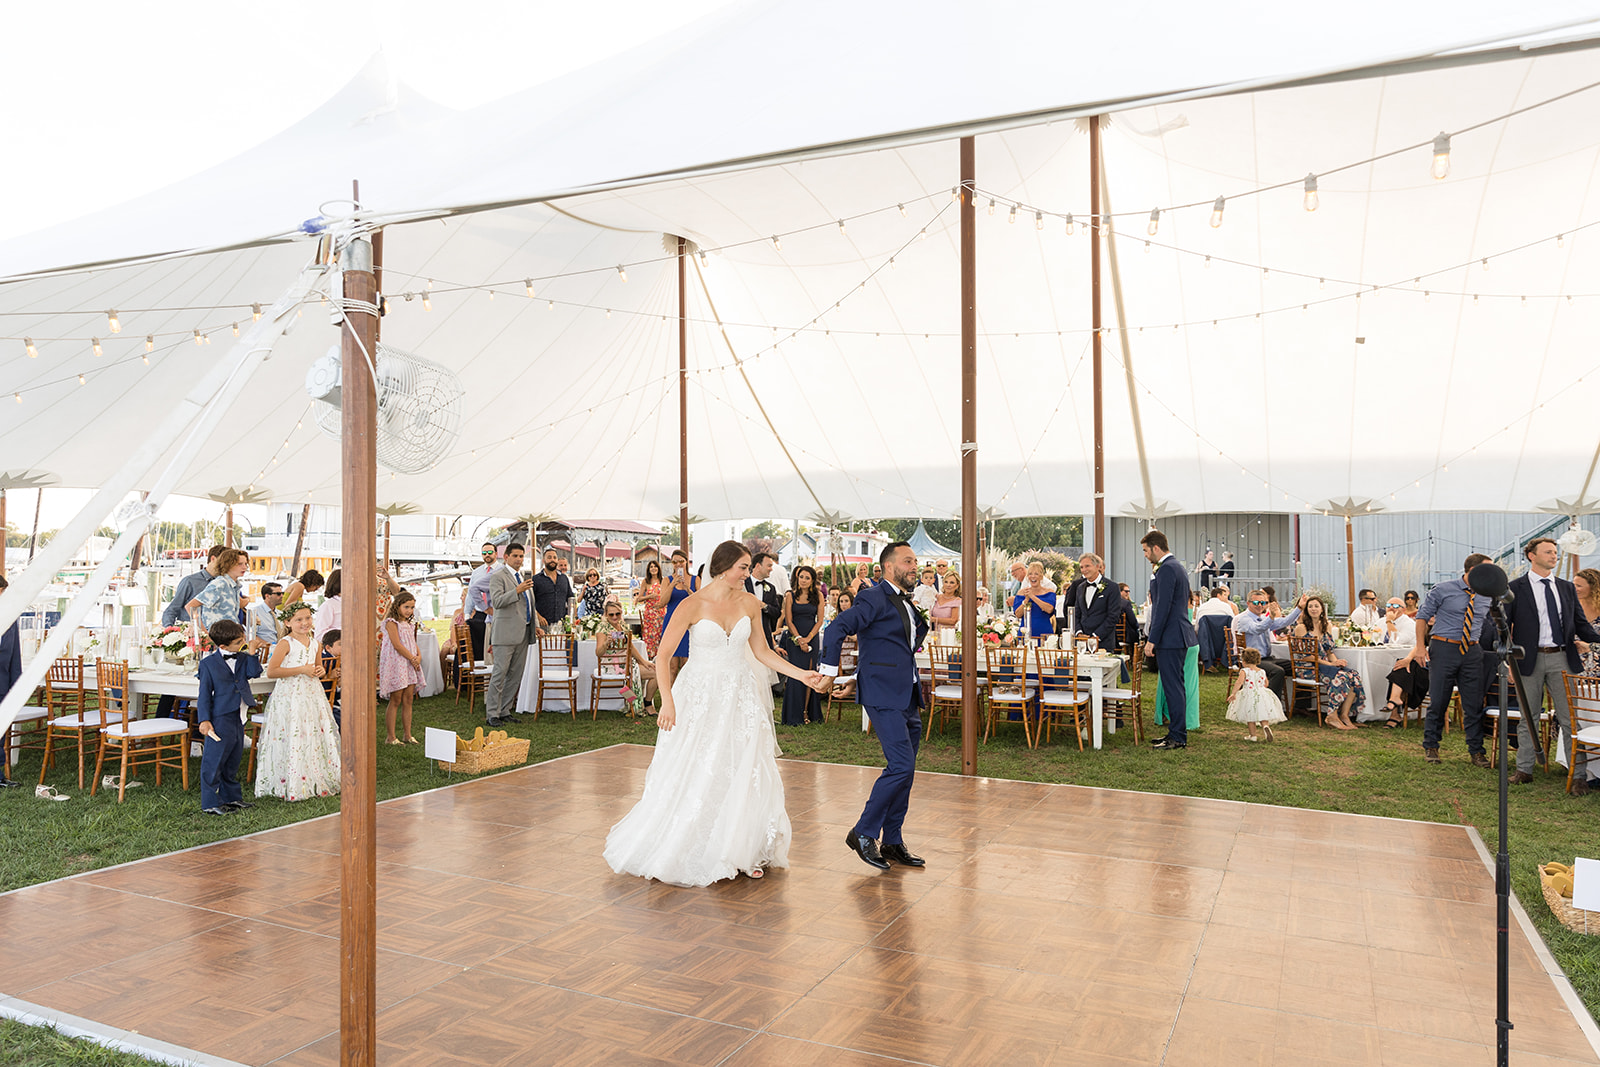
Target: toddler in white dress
[(1252, 700)]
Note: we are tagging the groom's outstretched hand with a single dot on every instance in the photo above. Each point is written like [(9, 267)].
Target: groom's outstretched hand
[(819, 681)]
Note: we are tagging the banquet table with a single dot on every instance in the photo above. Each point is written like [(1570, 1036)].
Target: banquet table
[(1373, 663), (168, 681), (1102, 671), (555, 701)]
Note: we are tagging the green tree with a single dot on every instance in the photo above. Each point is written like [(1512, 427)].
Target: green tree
[(1015, 536), (765, 531)]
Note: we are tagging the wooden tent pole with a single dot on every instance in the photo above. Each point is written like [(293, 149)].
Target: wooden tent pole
[(969, 459), (1095, 345), (300, 541), (683, 401), (227, 534), (358, 811)]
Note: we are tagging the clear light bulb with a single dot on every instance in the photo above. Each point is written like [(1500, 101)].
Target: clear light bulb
[(427, 302), (197, 341), (149, 342), (841, 227), (1013, 215), (236, 329), (1311, 192), (527, 284), (1216, 212), (33, 353), (1155, 222), (622, 272), (902, 208), (1070, 227), (112, 322), (1441, 156), (95, 341), (255, 312), (991, 205), (1038, 220), (777, 245)]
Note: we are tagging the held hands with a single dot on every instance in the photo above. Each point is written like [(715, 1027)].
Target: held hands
[(818, 681)]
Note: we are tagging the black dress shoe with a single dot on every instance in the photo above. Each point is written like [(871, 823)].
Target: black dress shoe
[(901, 855), (495, 724), (237, 805), (214, 811), (867, 849), (1480, 759), (8, 783), (1167, 744)]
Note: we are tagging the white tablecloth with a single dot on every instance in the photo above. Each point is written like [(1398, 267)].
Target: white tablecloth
[(1373, 663), (556, 700), (1103, 671), (432, 675)]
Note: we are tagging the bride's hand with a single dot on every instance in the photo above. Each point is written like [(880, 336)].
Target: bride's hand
[(668, 717)]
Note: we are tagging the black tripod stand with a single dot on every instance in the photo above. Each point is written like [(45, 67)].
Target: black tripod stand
[(1486, 579)]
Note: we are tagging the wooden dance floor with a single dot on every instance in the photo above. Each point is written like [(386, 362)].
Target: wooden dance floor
[(1053, 924)]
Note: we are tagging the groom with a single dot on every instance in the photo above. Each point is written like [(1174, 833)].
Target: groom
[(887, 628)]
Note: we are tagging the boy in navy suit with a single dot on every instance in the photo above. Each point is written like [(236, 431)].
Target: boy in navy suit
[(225, 704)]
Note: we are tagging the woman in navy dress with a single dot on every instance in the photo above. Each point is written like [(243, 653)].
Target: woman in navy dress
[(674, 592), (802, 621)]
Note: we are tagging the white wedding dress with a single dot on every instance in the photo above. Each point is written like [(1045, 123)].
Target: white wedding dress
[(713, 801)]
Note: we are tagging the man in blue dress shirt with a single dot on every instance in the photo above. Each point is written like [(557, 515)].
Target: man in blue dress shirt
[(1449, 635), (477, 607)]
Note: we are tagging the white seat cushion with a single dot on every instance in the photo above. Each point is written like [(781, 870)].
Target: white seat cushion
[(1011, 694), (1589, 735), (947, 692), (258, 717), (608, 675), (88, 720), (141, 728), (1118, 694), (558, 676), (31, 713), (1060, 699)]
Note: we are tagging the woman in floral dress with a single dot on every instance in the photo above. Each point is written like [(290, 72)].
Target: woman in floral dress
[(1341, 684), (651, 614)]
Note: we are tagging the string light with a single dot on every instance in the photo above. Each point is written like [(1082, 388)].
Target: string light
[(197, 341), (622, 272), (1561, 240), (95, 341), (427, 302), (149, 343), (236, 329), (527, 283), (145, 358), (1486, 263), (902, 208), (778, 245), (991, 206), (33, 353), (1069, 224), (82, 380), (255, 312), (1038, 220), (17, 397), (1105, 224), (841, 227), (1013, 215), (1311, 192), (1441, 156), (112, 323), (1155, 223), (1216, 212)]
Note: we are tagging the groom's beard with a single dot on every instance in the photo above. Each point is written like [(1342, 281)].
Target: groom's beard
[(907, 582)]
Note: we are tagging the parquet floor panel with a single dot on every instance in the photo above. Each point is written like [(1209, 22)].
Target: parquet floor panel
[(1053, 925)]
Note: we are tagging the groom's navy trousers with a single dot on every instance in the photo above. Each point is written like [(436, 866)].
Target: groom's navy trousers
[(900, 734)]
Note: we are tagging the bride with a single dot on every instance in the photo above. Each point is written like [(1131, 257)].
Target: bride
[(713, 802)]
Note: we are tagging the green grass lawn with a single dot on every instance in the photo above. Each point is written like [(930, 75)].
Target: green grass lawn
[(1370, 771)]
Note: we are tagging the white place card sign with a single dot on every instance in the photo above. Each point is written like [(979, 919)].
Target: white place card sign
[(439, 744), (1586, 884)]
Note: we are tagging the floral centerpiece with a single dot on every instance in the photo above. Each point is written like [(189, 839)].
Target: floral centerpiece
[(173, 642), (1353, 636), (589, 627), (998, 629)]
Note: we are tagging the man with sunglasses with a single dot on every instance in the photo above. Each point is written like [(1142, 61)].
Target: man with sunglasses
[(477, 606), (1258, 626)]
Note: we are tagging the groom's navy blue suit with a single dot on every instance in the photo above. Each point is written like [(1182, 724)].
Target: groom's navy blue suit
[(888, 688), (1172, 635)]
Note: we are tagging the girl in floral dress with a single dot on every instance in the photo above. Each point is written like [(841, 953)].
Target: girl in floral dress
[(399, 664), (299, 755)]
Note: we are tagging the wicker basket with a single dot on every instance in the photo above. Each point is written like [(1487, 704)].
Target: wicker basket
[(1577, 920), (507, 753)]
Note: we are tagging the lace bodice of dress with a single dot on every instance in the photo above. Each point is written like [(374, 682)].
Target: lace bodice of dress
[(711, 645)]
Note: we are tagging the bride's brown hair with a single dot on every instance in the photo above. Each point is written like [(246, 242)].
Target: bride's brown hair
[(726, 556)]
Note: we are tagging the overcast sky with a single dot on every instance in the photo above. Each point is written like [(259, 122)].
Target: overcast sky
[(107, 102)]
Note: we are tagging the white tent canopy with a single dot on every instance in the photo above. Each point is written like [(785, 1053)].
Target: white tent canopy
[(1280, 359)]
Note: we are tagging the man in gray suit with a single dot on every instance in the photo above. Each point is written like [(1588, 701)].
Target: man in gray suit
[(512, 629)]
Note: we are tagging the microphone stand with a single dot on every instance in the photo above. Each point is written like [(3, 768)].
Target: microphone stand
[(1510, 681)]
